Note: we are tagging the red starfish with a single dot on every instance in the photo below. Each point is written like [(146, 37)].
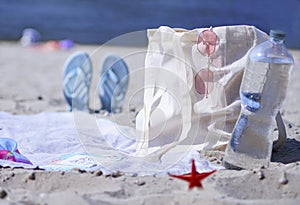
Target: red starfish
[(194, 178)]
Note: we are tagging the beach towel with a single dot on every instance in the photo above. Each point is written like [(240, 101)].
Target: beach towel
[(66, 140), (192, 81)]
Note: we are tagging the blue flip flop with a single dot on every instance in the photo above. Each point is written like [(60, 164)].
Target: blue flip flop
[(77, 80), (113, 83)]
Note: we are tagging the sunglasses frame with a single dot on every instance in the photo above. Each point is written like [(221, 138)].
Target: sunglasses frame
[(211, 43)]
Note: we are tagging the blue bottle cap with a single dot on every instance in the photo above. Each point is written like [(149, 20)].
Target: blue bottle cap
[(278, 34)]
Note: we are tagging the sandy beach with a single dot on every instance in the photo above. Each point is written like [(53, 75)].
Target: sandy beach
[(31, 83)]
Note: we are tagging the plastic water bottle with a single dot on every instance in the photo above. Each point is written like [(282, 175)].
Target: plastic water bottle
[(262, 92)]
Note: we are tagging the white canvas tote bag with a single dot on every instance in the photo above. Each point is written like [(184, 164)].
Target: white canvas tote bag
[(192, 81)]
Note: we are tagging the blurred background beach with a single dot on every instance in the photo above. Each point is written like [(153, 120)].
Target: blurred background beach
[(31, 83), (97, 21)]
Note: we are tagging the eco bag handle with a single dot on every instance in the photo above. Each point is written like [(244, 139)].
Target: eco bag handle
[(281, 132)]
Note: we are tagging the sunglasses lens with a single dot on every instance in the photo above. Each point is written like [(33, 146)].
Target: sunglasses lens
[(207, 42), (199, 85), (210, 37), (206, 75), (204, 81)]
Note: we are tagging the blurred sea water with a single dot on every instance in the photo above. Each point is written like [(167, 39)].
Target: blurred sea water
[(97, 21)]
